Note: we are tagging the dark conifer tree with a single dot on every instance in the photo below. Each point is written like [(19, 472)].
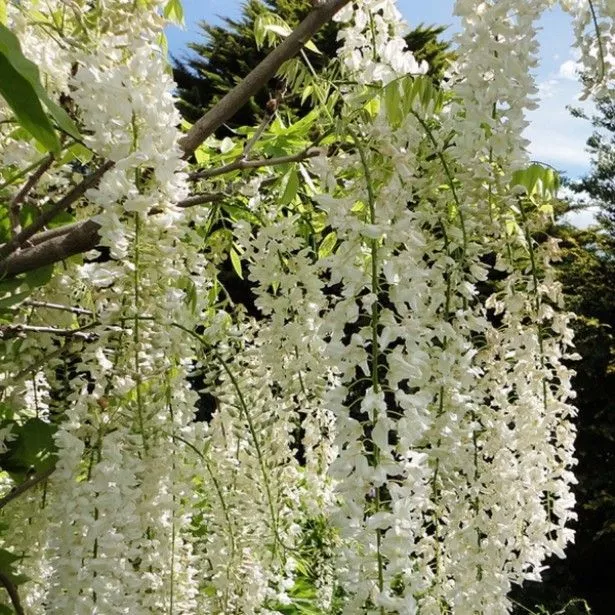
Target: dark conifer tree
[(229, 51), (587, 273), (600, 183)]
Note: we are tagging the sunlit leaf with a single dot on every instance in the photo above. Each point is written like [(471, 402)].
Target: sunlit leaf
[(23, 101), (11, 50), (236, 262)]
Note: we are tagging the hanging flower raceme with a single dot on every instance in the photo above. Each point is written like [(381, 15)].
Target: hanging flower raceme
[(117, 532), (374, 50), (423, 465), (594, 29), (397, 393)]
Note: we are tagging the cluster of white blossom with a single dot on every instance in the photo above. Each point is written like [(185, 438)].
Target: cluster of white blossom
[(268, 376), (405, 382), (428, 452), (594, 29), (117, 532), (374, 49)]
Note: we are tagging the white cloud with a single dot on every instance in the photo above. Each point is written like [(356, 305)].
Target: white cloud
[(556, 137), (559, 150), (583, 218), (547, 89), (569, 70)]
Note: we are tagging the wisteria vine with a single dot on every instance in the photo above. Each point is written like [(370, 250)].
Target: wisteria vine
[(392, 415)]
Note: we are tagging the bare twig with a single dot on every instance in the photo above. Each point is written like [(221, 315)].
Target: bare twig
[(14, 205), (247, 148), (76, 193), (240, 164), (202, 199), (196, 199), (58, 306), (26, 485), (12, 592), (272, 106), (259, 76), (8, 331)]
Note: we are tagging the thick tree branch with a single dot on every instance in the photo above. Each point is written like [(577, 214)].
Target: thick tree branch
[(64, 203), (259, 76), (58, 244), (53, 232), (15, 204), (81, 237)]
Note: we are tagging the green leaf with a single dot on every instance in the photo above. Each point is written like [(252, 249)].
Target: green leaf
[(10, 285), (2, 11), (28, 214), (11, 50), (5, 225), (270, 27), (39, 277), (392, 103), (290, 190), (202, 155), (237, 212), (81, 153), (190, 291), (61, 219), (7, 559), (327, 245), (372, 106), (259, 31), (537, 180), (163, 42), (174, 11), (280, 29), (12, 300), (307, 91), (32, 449), (310, 45), (23, 101), (236, 262)]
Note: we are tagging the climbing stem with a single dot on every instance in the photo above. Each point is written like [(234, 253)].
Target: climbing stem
[(447, 171), (374, 324), (251, 428), (137, 336)]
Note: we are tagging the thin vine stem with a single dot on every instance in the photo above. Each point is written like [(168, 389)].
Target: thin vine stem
[(137, 302), (137, 337), (251, 428), (599, 38), (447, 172), (168, 399), (539, 330), (374, 323), (217, 488)]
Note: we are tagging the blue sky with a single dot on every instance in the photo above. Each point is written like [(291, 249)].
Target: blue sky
[(556, 138)]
